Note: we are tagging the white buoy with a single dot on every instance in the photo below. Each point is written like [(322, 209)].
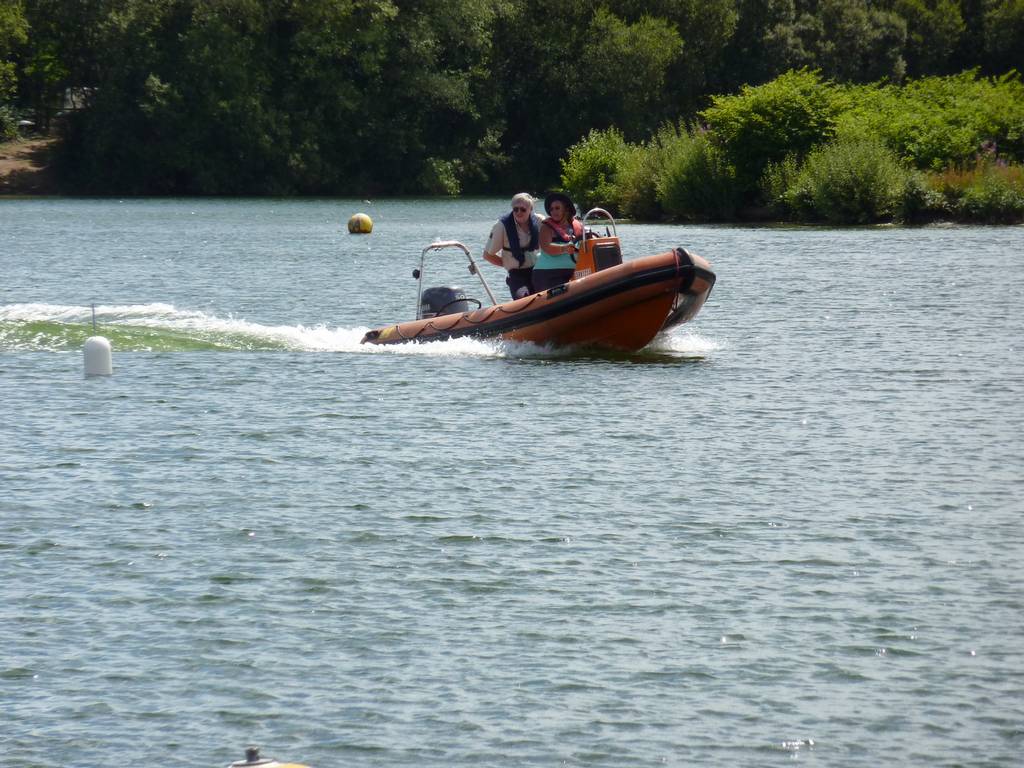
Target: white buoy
[(98, 358)]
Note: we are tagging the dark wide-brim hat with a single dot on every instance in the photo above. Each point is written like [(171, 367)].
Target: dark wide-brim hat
[(561, 198)]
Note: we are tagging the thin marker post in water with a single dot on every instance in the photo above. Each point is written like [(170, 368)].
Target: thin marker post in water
[(97, 354)]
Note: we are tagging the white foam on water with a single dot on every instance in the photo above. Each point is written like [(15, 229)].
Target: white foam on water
[(316, 338), (135, 314), (322, 338), (464, 347), (163, 316), (685, 342)]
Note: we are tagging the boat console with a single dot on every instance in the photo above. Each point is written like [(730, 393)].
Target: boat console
[(597, 252)]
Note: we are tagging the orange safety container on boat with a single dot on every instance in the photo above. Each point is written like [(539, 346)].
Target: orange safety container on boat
[(597, 252)]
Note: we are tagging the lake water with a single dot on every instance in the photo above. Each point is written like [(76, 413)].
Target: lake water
[(790, 531)]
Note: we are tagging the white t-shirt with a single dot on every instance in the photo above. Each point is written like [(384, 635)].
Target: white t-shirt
[(497, 244)]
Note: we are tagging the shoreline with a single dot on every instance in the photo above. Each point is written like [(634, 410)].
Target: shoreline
[(26, 171), (25, 166)]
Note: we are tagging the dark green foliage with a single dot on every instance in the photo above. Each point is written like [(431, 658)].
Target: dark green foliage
[(637, 180), (13, 34), (275, 97), (855, 41), (762, 125), (919, 202), (938, 121), (8, 123), (564, 72), (624, 68), (705, 29), (450, 96), (934, 28), (696, 181), (765, 43), (847, 182), (1003, 25), (781, 188), (590, 174), (679, 174)]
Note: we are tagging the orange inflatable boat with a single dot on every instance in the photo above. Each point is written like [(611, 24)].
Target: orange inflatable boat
[(608, 303)]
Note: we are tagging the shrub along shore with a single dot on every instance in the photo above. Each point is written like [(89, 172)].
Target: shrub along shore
[(801, 148)]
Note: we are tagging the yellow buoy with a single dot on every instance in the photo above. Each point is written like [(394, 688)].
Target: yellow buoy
[(360, 224)]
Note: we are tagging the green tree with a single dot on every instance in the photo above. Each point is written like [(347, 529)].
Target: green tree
[(591, 170), (705, 28), (221, 96), (849, 182), (625, 69), (66, 55), (562, 72), (852, 41), (329, 96), (764, 44), (13, 33), (764, 124), (936, 122), (181, 110), (697, 181), (424, 96), (1004, 35), (934, 30)]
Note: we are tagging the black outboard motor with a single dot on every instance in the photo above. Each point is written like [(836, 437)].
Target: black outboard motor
[(443, 300)]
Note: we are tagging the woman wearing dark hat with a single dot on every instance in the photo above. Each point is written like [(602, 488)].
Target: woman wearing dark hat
[(559, 234)]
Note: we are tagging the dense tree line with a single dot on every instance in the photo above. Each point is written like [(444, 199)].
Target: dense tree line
[(413, 96)]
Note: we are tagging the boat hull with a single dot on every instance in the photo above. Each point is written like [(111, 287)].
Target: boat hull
[(622, 307)]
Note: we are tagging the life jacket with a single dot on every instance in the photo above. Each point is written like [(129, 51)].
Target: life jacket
[(513, 236), (559, 235)]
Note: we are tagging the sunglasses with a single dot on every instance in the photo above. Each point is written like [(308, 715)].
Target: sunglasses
[(520, 208)]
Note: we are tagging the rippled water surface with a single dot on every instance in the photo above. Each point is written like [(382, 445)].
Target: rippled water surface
[(789, 531)]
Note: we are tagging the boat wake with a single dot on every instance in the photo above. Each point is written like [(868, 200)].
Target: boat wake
[(157, 327), (161, 327)]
